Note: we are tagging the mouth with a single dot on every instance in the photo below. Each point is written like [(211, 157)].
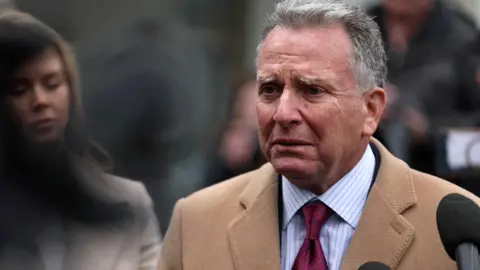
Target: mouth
[(290, 142), (45, 123)]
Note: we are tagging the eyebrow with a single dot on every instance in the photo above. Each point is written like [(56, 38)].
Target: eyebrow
[(53, 74), (266, 79), (302, 80), (313, 81), (49, 74), (308, 80)]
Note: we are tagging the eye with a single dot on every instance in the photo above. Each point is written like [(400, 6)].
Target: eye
[(311, 90), (18, 88), (53, 85), (269, 89), (53, 82)]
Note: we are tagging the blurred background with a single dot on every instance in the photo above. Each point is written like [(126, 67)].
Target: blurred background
[(168, 86)]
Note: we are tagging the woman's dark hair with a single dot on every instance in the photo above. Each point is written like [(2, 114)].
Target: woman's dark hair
[(23, 38)]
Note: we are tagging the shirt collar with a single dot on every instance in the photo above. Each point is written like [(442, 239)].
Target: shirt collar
[(346, 198)]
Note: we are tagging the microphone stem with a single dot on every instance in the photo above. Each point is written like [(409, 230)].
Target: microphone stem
[(467, 257)]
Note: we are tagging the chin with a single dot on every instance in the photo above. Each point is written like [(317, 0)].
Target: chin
[(43, 143), (44, 139), (295, 168)]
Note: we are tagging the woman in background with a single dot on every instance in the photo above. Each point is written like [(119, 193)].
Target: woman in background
[(60, 210)]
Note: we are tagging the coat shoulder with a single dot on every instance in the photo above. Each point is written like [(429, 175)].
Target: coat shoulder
[(426, 250), (134, 192), (432, 188), (221, 194)]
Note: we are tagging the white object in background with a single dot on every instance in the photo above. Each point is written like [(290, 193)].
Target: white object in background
[(463, 148)]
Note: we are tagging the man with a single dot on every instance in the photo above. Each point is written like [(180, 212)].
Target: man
[(320, 68)]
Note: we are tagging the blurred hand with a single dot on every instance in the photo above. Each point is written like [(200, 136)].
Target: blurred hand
[(237, 147), (415, 122)]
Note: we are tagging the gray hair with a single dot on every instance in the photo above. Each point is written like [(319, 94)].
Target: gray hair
[(369, 59)]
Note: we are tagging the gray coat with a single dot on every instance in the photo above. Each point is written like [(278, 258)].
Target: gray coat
[(130, 245)]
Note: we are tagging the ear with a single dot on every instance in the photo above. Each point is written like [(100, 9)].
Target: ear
[(375, 102)]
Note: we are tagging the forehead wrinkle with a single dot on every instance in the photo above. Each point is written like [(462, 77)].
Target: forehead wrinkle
[(328, 43), (314, 67), (311, 72)]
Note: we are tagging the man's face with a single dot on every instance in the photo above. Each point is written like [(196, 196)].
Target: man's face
[(39, 99), (312, 118)]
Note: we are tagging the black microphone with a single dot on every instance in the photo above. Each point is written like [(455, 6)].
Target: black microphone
[(374, 266), (458, 222)]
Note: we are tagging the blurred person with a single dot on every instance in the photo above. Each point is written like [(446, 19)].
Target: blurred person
[(431, 78), (59, 210), (129, 106), (331, 196), (145, 105), (238, 150)]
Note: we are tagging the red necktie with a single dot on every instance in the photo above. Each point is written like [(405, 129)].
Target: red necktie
[(310, 256)]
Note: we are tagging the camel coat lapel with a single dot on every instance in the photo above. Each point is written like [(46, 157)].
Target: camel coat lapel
[(253, 235), (383, 234)]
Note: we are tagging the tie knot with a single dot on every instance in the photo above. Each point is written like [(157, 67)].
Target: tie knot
[(315, 215)]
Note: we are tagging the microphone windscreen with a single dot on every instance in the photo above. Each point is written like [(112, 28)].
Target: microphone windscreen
[(458, 221), (374, 266)]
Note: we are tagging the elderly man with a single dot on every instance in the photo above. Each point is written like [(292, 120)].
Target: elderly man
[(331, 197)]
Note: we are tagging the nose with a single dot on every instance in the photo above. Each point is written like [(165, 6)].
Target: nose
[(39, 98), (287, 113)]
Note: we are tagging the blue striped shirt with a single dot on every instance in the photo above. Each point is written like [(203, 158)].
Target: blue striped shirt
[(346, 198)]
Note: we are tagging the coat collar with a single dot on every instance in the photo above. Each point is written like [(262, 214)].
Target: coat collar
[(383, 234)]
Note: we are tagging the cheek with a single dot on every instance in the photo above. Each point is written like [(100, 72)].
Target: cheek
[(19, 109), (349, 122), (265, 114), (320, 119), (333, 122), (63, 103)]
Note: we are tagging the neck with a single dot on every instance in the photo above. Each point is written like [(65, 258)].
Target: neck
[(339, 170)]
